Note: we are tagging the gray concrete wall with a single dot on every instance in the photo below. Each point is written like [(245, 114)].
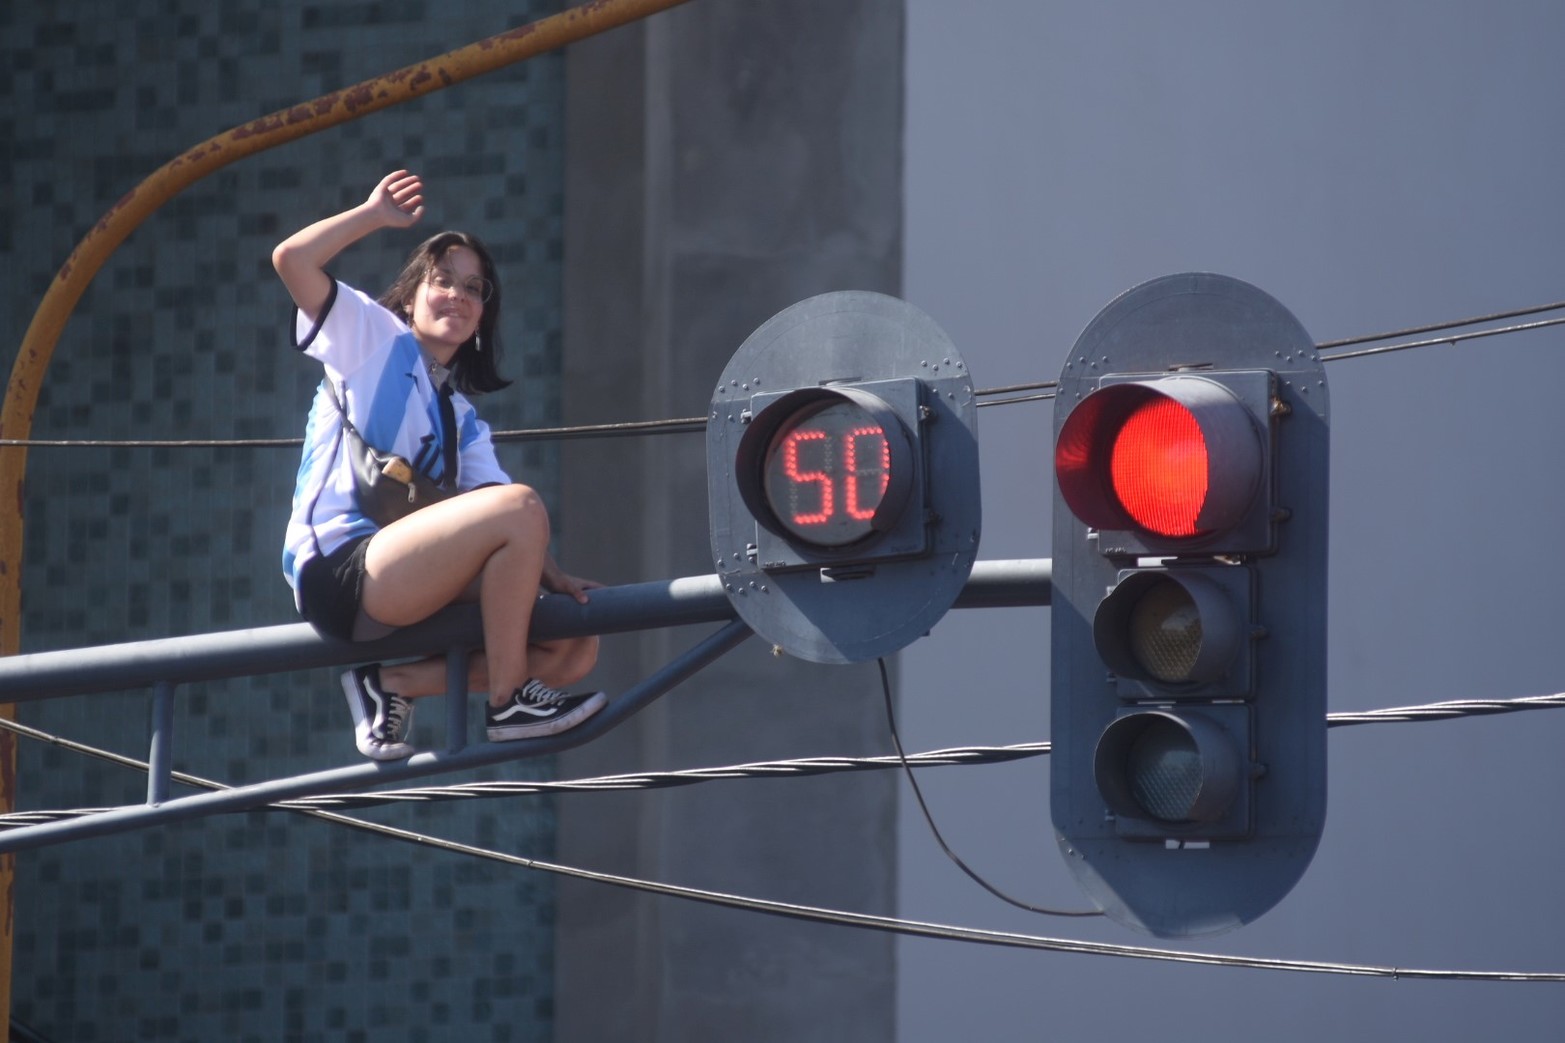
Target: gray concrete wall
[(723, 162)]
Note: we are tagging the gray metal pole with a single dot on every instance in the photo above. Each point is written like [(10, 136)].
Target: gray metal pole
[(358, 776), (456, 699), (160, 759), (297, 646), (163, 663)]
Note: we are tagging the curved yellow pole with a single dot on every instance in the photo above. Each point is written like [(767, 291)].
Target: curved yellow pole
[(37, 348)]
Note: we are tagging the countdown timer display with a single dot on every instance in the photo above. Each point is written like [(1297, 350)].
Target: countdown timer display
[(826, 473), (842, 477)]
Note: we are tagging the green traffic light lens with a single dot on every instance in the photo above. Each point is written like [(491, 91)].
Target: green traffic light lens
[(1165, 632), (1163, 769), (1172, 767)]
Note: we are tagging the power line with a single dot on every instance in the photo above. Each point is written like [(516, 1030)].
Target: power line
[(944, 932), (904, 927), (1453, 340), (1413, 331), (679, 425), (795, 768), (692, 425), (1446, 711), (929, 819)]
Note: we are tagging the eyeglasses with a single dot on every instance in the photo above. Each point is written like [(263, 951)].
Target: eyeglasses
[(476, 287)]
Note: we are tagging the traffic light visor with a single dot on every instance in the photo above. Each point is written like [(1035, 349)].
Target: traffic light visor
[(1175, 458)]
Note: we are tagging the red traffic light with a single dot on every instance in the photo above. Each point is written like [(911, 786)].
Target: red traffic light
[(1158, 466), (1176, 458), (1187, 624)]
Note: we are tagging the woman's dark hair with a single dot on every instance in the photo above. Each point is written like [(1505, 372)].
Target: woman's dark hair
[(474, 369)]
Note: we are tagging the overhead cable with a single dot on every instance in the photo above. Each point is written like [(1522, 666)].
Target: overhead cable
[(797, 768), (1413, 331), (915, 928), (691, 425)]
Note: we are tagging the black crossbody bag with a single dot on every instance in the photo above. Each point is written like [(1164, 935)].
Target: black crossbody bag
[(387, 486)]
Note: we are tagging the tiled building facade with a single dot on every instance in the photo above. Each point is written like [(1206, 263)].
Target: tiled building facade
[(262, 926)]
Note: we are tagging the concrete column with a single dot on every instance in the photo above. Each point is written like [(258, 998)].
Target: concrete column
[(723, 162)]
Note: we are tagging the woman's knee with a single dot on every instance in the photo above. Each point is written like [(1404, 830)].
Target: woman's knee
[(521, 507)]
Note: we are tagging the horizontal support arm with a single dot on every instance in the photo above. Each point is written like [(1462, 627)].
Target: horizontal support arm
[(298, 646)]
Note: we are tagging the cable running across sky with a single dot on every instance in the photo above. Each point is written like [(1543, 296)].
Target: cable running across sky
[(691, 425), (904, 927), (795, 768)]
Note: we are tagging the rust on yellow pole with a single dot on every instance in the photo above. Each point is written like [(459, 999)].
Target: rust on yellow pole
[(59, 301)]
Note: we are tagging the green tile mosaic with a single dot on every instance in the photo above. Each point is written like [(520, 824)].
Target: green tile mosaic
[(261, 926)]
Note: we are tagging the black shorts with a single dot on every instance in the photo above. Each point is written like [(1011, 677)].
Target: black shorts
[(330, 589)]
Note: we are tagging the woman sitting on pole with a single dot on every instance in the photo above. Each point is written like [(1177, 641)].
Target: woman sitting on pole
[(393, 413)]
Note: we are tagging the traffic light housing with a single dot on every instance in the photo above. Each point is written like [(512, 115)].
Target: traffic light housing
[(842, 477), (1189, 605)]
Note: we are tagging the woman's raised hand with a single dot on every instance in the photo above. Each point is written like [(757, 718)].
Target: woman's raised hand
[(301, 259), (399, 199)]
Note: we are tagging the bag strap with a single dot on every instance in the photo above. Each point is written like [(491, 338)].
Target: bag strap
[(448, 435), (342, 410)]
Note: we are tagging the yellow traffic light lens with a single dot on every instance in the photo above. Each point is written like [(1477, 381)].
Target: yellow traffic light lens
[(1159, 467), (1165, 632), (1163, 768)]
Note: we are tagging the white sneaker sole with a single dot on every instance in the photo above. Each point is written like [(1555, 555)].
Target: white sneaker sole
[(553, 726), (375, 751)]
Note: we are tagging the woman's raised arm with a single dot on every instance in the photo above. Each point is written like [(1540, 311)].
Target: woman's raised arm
[(301, 259)]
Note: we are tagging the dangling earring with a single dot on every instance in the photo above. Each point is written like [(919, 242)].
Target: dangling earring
[(478, 343)]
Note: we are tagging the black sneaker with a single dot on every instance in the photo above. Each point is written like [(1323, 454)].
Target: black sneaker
[(380, 719), (535, 709)]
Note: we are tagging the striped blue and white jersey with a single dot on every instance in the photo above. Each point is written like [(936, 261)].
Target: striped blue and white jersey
[(374, 361)]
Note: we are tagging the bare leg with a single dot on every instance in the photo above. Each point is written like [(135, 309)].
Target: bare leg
[(561, 663), (497, 536)]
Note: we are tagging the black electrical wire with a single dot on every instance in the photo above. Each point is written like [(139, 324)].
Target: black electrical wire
[(1413, 331), (691, 425), (21, 1033), (943, 932), (918, 794), (799, 768), (909, 928), (968, 755), (1452, 339), (1044, 397), (1011, 389), (681, 425), (1446, 711), (539, 434)]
